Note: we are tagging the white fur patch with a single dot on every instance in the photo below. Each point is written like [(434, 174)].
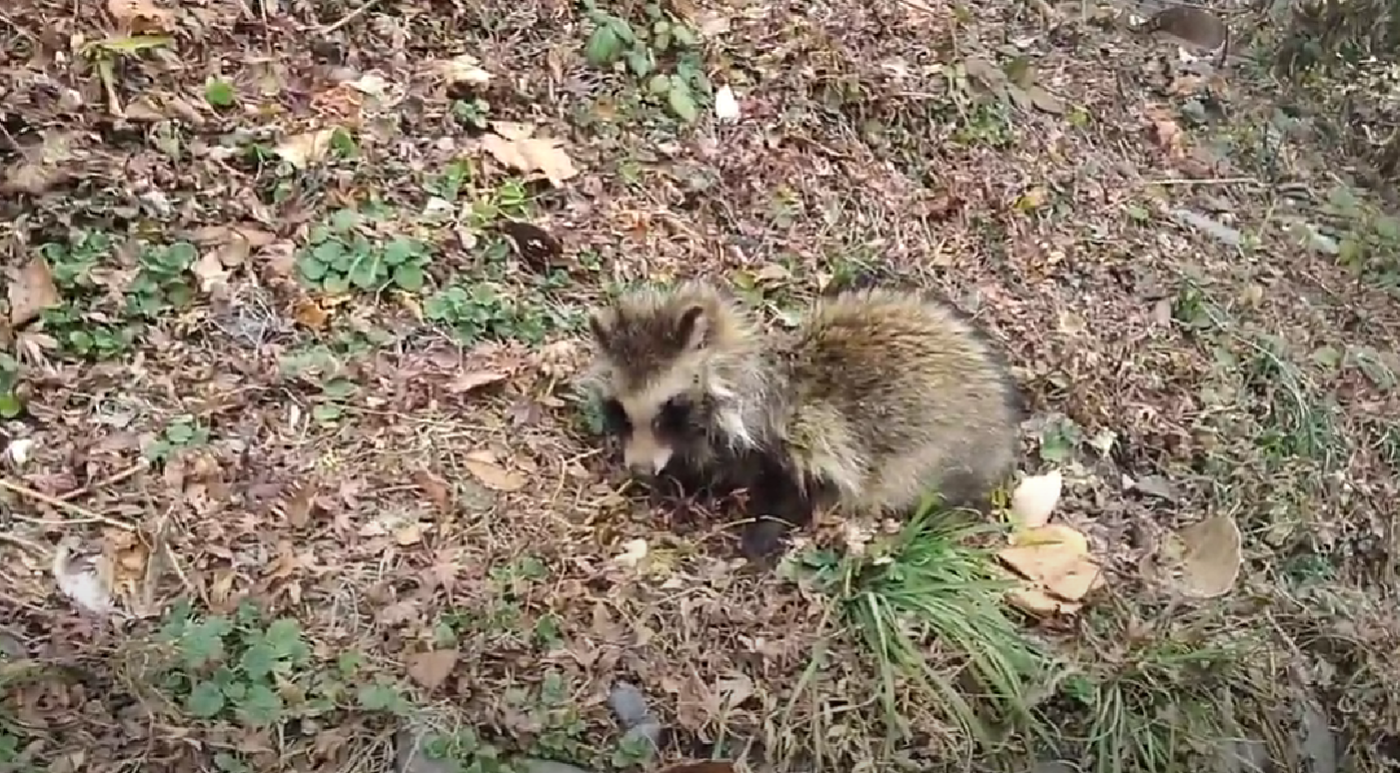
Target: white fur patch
[(732, 422)]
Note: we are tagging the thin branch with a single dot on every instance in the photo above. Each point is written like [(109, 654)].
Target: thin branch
[(83, 514)]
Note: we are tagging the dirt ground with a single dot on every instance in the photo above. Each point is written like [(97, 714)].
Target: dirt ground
[(280, 352)]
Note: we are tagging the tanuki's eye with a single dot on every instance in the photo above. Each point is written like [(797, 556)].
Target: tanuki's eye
[(674, 416), (615, 417)]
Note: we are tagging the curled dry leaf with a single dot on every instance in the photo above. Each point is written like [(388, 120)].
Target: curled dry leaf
[(1166, 131), (1055, 561), (633, 553), (475, 379), (529, 154), (303, 150), (464, 69), (482, 464), (31, 291), (1208, 555), (1035, 497)]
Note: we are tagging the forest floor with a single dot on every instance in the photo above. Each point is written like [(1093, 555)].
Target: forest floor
[(280, 355)]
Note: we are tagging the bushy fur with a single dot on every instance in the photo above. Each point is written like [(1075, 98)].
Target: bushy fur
[(878, 398)]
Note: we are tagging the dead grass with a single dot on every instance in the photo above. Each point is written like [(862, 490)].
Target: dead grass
[(402, 469)]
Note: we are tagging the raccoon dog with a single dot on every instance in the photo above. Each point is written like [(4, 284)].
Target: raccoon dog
[(878, 398)]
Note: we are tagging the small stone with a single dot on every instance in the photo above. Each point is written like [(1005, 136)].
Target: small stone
[(409, 757), (629, 705)]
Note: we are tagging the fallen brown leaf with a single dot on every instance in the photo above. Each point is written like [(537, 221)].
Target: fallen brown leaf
[(132, 12), (531, 154), (492, 475), (309, 314), (435, 489), (432, 668), (1046, 101), (33, 178), (31, 291), (1209, 555), (210, 271), (1166, 131), (704, 766), (299, 506), (464, 69), (474, 380)]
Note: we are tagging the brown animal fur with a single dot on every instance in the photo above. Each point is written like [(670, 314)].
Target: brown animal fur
[(877, 399)]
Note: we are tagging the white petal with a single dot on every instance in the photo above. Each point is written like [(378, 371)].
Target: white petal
[(19, 450), (1035, 498), (726, 105)]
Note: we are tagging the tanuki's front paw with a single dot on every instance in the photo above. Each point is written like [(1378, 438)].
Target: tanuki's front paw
[(763, 540)]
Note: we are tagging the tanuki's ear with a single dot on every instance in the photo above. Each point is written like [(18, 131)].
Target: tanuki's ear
[(693, 329)]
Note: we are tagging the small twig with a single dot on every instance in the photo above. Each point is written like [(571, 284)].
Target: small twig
[(29, 545), (21, 32), (1206, 181), (347, 18), (110, 480), (84, 515)]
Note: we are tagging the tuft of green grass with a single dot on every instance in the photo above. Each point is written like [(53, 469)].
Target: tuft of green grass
[(932, 588), (1163, 700), (658, 49)]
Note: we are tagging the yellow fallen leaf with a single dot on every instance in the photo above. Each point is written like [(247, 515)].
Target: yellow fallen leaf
[(1054, 559), (532, 154), (412, 534), (1040, 603), (210, 271), (1035, 498), (492, 475), (31, 291), (308, 313)]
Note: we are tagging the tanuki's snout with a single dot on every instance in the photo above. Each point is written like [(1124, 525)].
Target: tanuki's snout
[(644, 455)]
